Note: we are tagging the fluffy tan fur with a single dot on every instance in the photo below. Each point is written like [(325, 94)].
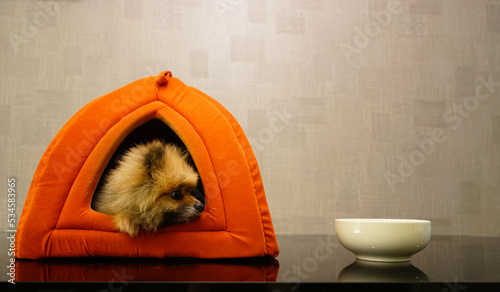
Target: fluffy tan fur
[(150, 187)]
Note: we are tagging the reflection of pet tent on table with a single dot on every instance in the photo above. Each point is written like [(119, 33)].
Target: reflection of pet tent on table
[(57, 219), (147, 270)]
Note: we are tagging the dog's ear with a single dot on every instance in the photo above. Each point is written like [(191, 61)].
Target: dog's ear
[(153, 161)]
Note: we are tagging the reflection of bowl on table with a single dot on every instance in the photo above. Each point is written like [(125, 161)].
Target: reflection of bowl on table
[(383, 240), (366, 271)]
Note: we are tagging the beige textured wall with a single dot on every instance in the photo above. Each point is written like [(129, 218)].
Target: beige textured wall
[(354, 108)]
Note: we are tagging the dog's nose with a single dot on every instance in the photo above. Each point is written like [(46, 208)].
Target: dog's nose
[(199, 207)]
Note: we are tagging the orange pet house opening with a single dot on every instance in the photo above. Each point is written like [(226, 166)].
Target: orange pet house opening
[(57, 219)]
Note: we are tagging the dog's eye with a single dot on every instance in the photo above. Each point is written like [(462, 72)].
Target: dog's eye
[(176, 195)]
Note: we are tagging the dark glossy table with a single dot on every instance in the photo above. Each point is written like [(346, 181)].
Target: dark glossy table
[(445, 259), (456, 263)]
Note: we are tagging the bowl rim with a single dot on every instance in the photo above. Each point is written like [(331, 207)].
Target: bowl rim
[(381, 220)]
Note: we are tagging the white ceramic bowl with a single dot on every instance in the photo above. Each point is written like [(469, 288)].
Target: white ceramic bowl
[(383, 240)]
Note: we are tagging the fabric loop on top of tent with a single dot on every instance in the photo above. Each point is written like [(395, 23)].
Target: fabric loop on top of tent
[(163, 77)]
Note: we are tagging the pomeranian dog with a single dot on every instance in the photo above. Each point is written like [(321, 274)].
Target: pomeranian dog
[(151, 187)]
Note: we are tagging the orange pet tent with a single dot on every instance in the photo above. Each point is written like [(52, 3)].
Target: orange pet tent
[(57, 219)]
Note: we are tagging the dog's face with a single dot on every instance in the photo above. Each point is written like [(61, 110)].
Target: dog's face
[(170, 182)]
